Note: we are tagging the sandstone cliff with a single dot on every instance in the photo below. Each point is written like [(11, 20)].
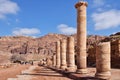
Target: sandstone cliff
[(36, 48)]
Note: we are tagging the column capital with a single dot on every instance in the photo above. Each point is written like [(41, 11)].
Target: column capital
[(80, 4)]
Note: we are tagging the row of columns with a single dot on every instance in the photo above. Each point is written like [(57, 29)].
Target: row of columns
[(66, 47), (65, 58)]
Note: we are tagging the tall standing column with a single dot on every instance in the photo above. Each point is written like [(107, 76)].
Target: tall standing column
[(70, 55), (81, 37), (103, 61), (63, 45), (58, 54)]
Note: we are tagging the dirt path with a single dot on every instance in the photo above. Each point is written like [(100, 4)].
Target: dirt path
[(44, 73), (39, 73), (12, 71)]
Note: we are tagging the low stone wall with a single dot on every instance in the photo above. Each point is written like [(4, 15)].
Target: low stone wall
[(91, 58), (115, 55)]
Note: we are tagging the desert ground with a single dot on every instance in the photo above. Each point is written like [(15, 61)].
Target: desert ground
[(12, 71), (34, 72)]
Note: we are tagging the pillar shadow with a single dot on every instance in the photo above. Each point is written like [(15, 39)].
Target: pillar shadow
[(45, 71), (44, 75), (72, 76)]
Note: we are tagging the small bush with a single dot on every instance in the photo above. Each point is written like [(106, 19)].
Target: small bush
[(17, 58)]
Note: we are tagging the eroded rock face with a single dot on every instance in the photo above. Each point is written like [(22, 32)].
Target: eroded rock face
[(115, 54), (33, 48), (46, 46), (43, 45), (18, 44), (93, 41)]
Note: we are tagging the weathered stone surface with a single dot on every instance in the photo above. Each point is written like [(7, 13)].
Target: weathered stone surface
[(115, 54), (54, 60), (46, 45), (81, 36), (63, 45), (70, 55), (58, 62), (103, 61), (49, 62)]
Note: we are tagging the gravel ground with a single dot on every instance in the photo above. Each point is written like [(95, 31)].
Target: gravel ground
[(43, 73), (12, 71)]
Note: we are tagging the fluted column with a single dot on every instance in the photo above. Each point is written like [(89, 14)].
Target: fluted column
[(81, 37), (70, 55), (63, 45), (58, 54), (103, 61)]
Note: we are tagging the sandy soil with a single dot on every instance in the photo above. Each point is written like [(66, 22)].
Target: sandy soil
[(12, 71), (43, 73)]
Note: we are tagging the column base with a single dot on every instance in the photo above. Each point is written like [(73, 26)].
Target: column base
[(81, 71), (103, 75), (71, 69), (54, 66), (63, 67), (58, 67)]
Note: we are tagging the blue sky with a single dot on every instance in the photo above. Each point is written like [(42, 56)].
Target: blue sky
[(40, 17)]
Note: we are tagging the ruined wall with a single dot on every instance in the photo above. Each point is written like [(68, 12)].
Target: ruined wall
[(91, 57), (115, 53)]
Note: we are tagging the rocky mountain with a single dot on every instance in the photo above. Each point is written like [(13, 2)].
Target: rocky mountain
[(113, 37), (44, 45), (30, 47), (36, 48)]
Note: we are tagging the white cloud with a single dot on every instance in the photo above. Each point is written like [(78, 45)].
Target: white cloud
[(26, 31), (98, 2), (65, 29), (106, 19), (8, 7)]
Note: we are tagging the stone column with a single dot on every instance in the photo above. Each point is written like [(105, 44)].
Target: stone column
[(54, 60), (49, 62), (58, 54), (103, 61), (63, 54), (81, 37), (70, 55)]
